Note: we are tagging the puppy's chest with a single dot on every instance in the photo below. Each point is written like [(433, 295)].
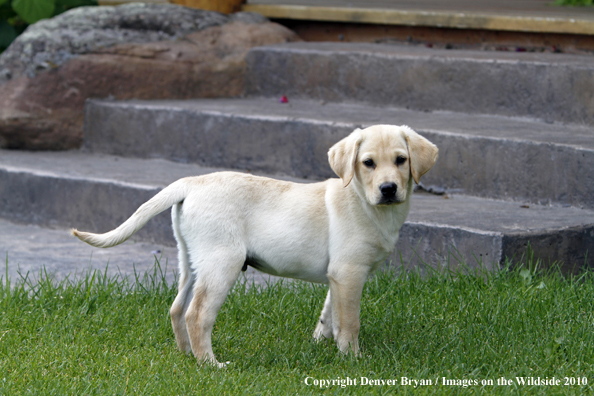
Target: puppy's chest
[(383, 234), (386, 245)]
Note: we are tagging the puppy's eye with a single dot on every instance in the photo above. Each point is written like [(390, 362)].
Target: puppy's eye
[(369, 163), (400, 160)]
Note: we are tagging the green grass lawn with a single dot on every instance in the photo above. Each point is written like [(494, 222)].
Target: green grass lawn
[(113, 337)]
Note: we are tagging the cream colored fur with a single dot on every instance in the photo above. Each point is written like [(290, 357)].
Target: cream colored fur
[(334, 232)]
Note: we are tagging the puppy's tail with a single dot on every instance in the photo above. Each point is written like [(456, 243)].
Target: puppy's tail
[(170, 195)]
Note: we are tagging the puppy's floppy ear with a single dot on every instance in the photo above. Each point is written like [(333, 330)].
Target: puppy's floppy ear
[(422, 153), (343, 156)]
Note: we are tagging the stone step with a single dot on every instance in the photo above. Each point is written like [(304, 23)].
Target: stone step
[(551, 87), (487, 156), (97, 192)]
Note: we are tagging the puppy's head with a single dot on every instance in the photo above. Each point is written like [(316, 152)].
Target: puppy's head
[(381, 160)]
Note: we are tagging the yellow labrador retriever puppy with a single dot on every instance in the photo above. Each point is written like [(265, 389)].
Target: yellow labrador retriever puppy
[(334, 232)]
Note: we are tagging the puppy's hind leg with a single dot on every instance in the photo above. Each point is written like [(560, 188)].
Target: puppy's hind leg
[(215, 276), (178, 311), (324, 326), (186, 281)]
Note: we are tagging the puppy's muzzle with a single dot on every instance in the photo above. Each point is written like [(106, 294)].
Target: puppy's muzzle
[(388, 191)]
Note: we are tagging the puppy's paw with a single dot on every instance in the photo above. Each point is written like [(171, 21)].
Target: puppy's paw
[(221, 365), (210, 360), (349, 348), (322, 331)]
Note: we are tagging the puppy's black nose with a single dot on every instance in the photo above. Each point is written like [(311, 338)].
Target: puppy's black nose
[(388, 190)]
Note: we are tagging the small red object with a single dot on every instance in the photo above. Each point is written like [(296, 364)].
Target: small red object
[(284, 99)]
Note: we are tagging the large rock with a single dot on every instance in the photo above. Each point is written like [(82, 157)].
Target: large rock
[(143, 51)]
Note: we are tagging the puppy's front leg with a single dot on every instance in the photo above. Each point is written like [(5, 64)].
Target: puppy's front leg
[(346, 287)]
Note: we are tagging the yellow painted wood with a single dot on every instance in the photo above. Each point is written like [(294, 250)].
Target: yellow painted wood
[(427, 18), (118, 2), (224, 6)]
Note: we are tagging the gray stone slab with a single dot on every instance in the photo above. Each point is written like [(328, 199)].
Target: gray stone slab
[(490, 156), (97, 192), (551, 87)]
